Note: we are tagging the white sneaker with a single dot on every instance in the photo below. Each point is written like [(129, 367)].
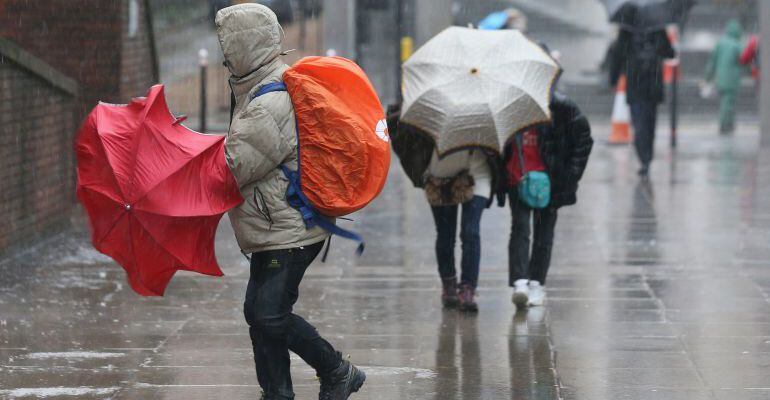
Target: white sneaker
[(520, 293), (536, 293)]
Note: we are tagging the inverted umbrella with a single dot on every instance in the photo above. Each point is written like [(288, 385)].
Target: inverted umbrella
[(154, 190), (475, 88), (647, 15)]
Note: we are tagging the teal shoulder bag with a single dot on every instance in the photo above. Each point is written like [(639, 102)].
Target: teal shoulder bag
[(535, 186)]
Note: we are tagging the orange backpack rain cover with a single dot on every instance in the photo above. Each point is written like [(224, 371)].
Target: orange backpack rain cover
[(344, 148)]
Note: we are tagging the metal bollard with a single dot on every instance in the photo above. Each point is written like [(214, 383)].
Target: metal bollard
[(203, 61)]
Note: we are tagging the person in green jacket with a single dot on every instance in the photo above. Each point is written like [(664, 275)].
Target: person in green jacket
[(725, 69)]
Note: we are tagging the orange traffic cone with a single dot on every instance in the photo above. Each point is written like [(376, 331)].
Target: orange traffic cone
[(621, 116)]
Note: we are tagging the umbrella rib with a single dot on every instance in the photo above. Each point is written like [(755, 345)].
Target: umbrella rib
[(98, 191), (106, 155), (179, 262), (210, 148), (115, 222), (134, 257)]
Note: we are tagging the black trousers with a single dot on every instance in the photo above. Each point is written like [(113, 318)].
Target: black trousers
[(644, 116), (520, 264), (270, 296)]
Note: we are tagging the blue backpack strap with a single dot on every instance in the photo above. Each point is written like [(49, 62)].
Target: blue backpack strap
[(269, 88), (310, 215)]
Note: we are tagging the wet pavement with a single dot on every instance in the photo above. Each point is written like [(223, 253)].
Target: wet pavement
[(657, 291)]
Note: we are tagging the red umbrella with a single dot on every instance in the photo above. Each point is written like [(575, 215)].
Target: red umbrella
[(153, 189)]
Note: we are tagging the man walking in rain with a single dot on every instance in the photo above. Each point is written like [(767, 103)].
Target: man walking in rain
[(724, 67), (261, 138), (639, 54)]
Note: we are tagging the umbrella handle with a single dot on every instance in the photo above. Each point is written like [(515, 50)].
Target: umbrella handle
[(179, 120)]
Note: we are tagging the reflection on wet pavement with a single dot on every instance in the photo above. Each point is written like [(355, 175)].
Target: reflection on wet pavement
[(658, 290)]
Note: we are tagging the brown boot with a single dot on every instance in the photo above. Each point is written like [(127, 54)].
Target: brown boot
[(467, 298), (449, 292)]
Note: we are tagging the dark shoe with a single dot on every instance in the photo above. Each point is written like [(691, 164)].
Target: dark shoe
[(467, 297), (342, 382), (449, 292), (644, 171)]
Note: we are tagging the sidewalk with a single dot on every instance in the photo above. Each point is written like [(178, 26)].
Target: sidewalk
[(658, 291)]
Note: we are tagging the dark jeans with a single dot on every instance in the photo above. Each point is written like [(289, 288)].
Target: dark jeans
[(644, 115), (272, 291), (446, 232), (520, 264)]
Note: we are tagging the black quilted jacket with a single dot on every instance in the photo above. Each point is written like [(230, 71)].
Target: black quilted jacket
[(565, 145)]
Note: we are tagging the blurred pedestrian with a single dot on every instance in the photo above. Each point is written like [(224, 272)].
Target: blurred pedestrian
[(639, 55), (725, 70), (750, 56), (516, 20), (263, 135), (560, 149), (463, 179)]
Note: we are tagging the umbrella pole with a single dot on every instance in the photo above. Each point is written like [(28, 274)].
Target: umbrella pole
[(674, 107)]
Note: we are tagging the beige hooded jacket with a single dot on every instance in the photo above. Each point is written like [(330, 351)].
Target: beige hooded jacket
[(262, 133)]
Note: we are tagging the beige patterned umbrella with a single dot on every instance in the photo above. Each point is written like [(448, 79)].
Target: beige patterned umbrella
[(475, 88)]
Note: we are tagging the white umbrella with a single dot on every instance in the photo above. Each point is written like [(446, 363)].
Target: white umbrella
[(475, 88)]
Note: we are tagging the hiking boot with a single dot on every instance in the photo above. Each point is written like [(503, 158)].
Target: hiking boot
[(520, 293), (536, 294), (467, 295), (449, 292), (341, 382)]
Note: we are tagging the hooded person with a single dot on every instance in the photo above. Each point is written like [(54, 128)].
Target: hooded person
[(725, 69), (262, 137), (561, 149)]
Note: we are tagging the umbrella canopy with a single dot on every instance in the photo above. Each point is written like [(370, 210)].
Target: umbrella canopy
[(648, 15), (475, 88), (154, 190)]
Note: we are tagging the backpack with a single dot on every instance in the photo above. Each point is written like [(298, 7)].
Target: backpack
[(535, 186), (343, 143)]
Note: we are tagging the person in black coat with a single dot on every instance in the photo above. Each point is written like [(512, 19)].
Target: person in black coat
[(639, 54), (561, 149)]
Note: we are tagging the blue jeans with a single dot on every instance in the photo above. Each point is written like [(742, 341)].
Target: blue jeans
[(270, 296), (445, 218)]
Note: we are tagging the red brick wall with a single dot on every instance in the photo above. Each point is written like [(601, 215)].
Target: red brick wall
[(37, 126), (86, 40), (80, 38), (137, 69)]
